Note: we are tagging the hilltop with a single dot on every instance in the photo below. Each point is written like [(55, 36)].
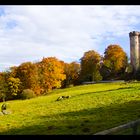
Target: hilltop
[(90, 109)]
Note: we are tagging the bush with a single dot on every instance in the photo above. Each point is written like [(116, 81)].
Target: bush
[(27, 94)]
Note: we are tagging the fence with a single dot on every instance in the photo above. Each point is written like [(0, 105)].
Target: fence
[(133, 125), (107, 81)]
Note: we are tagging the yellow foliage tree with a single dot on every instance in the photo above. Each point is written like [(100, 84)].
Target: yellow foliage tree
[(13, 85), (115, 59)]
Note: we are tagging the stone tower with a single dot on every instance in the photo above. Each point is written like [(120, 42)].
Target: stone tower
[(135, 49)]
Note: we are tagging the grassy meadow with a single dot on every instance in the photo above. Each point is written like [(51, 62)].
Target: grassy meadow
[(91, 108)]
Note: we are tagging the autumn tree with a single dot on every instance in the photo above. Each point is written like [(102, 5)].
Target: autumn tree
[(9, 86), (13, 71), (28, 74), (90, 65), (115, 60), (51, 73), (3, 86), (72, 71)]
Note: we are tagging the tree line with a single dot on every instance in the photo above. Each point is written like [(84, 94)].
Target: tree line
[(51, 73)]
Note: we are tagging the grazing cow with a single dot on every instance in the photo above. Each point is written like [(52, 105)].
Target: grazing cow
[(59, 98), (62, 97), (3, 107)]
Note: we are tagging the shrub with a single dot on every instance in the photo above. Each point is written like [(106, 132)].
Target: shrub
[(27, 94)]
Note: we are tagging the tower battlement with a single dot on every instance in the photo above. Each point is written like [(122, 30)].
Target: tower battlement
[(134, 33)]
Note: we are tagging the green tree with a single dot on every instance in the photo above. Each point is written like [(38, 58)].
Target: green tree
[(90, 66), (129, 73)]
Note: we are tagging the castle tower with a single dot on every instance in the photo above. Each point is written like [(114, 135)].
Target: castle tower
[(135, 49)]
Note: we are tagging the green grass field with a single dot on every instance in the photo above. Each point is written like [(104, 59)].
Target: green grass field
[(91, 108)]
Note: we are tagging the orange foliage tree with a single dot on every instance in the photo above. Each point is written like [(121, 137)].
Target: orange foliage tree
[(28, 74), (51, 73), (115, 59)]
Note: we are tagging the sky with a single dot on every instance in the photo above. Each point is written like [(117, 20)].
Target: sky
[(29, 33)]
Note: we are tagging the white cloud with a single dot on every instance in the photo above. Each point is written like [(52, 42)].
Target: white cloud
[(28, 33)]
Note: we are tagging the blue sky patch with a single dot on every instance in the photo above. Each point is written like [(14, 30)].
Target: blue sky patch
[(11, 24), (2, 12)]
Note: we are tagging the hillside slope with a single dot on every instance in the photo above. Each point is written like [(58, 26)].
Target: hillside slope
[(90, 109)]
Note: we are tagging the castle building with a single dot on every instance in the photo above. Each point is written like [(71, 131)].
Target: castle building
[(135, 49)]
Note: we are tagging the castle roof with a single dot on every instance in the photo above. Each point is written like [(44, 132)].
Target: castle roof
[(134, 33)]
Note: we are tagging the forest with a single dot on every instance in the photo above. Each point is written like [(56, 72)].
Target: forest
[(30, 79)]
